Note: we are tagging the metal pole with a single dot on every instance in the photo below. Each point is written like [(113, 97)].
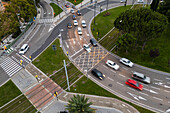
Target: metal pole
[(66, 75), (94, 11), (107, 5)]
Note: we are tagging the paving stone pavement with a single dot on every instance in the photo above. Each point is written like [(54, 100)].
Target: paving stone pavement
[(24, 80)]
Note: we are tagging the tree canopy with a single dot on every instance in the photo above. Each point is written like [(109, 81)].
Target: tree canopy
[(79, 104), (143, 23), (16, 9)]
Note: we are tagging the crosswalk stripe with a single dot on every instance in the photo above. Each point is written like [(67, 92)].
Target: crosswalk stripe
[(10, 66)]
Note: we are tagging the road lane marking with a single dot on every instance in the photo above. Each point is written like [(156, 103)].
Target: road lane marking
[(143, 93), (131, 88), (158, 98), (158, 80), (167, 78), (165, 86), (155, 87), (124, 68), (113, 71), (110, 79), (105, 66), (121, 75), (167, 91), (66, 44), (77, 52), (120, 84), (73, 40)]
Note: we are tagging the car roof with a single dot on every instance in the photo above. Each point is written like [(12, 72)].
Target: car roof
[(74, 15), (125, 59), (132, 81), (139, 74), (23, 47), (95, 70)]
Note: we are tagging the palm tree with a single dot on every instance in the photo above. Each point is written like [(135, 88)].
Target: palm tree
[(79, 104)]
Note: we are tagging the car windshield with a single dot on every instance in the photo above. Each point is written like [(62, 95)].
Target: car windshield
[(75, 21), (21, 49), (99, 74), (79, 30), (86, 47), (128, 61), (137, 84)]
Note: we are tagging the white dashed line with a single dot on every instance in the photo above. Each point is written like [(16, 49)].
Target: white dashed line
[(131, 88), (144, 93), (158, 98), (110, 79), (124, 68), (105, 66), (121, 75), (128, 111), (155, 88), (66, 44), (167, 91), (113, 71), (120, 84), (158, 80)]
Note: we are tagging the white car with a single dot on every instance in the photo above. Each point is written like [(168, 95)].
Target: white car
[(83, 23), (79, 30), (140, 1), (87, 48), (72, 11), (23, 49), (126, 62), (122, 1), (112, 64), (75, 23)]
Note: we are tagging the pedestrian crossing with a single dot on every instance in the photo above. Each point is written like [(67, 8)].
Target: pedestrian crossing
[(45, 21), (10, 66)]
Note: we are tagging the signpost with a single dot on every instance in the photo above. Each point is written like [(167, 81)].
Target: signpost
[(54, 48)]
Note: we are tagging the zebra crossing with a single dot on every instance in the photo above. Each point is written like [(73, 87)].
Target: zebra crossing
[(10, 66), (45, 21)]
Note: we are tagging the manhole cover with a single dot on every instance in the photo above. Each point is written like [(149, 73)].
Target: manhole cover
[(110, 85)]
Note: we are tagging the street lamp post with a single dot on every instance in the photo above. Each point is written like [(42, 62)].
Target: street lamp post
[(107, 6), (94, 11)]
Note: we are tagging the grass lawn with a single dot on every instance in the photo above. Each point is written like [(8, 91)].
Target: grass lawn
[(109, 41), (85, 86), (75, 3), (48, 61), (107, 22), (56, 8), (8, 92), (20, 105), (161, 62), (60, 77)]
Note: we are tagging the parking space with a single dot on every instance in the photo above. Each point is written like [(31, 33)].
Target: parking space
[(86, 60)]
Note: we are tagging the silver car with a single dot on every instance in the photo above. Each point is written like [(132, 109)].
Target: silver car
[(141, 77)]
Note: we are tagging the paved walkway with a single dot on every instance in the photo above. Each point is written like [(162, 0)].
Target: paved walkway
[(102, 102)]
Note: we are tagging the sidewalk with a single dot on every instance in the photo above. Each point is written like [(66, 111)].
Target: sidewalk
[(102, 102)]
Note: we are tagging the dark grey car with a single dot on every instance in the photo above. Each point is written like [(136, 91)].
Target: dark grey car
[(93, 42), (98, 74)]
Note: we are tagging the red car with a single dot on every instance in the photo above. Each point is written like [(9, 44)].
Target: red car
[(134, 84), (67, 5)]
